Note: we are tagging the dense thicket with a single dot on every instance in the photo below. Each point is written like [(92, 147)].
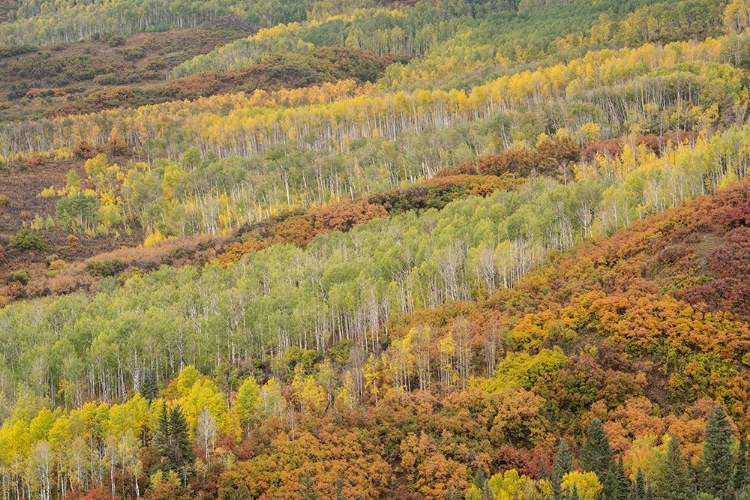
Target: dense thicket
[(407, 416), (512, 264)]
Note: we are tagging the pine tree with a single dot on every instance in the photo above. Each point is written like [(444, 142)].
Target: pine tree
[(596, 455), (160, 443), (639, 491), (609, 486), (649, 492), (740, 467), (622, 483), (309, 491), (171, 442), (562, 465), (717, 462), (179, 439), (674, 481), (453, 493), (480, 479), (615, 482), (149, 387)]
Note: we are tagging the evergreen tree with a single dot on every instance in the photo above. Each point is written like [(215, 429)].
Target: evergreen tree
[(480, 479), (717, 462), (543, 473), (649, 492), (562, 465), (674, 481), (609, 486), (309, 491), (171, 443), (740, 467), (621, 481), (179, 440), (596, 455), (180, 436), (615, 483), (453, 493), (639, 490), (160, 443), (149, 387)]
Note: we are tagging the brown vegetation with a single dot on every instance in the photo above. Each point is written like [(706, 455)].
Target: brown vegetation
[(283, 71), (41, 80)]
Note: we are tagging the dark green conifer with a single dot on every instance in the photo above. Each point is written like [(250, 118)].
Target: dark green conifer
[(674, 480), (180, 437), (448, 493), (621, 481), (609, 486), (309, 491), (480, 479), (740, 467), (717, 462), (562, 465), (150, 387), (639, 489), (596, 455), (160, 444), (171, 443), (453, 493)]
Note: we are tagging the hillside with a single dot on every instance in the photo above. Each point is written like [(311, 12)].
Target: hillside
[(41, 80), (592, 312), (452, 249)]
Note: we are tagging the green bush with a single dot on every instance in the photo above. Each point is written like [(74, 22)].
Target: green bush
[(15, 50), (115, 39), (21, 276), (105, 268), (26, 240)]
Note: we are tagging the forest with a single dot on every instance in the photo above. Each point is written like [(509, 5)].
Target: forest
[(375, 249)]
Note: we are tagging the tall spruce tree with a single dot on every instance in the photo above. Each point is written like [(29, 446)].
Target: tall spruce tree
[(674, 480), (480, 479), (609, 486), (739, 481), (454, 494), (639, 488), (309, 491), (596, 455), (620, 482), (562, 465), (160, 443), (649, 492), (179, 438), (717, 461), (171, 442), (150, 387), (448, 493)]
